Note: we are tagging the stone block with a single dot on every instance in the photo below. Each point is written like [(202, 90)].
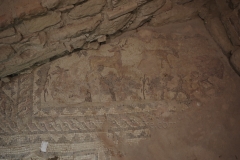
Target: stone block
[(5, 52), (145, 13), (75, 43), (151, 7), (70, 2), (18, 9), (5, 79), (29, 57), (7, 32), (40, 23), (178, 13), (88, 8), (63, 9), (235, 60), (102, 39), (167, 6), (137, 22), (92, 46), (2, 67), (12, 39), (50, 3), (108, 27), (232, 25), (121, 10), (75, 29), (219, 34)]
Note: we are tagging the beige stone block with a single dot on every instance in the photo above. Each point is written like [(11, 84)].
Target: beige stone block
[(7, 32), (75, 29), (89, 8), (50, 3), (40, 23), (12, 39), (5, 52), (121, 10)]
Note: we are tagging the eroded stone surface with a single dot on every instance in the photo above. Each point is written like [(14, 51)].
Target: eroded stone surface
[(121, 10), (30, 55), (37, 24), (153, 93), (12, 39), (179, 13), (50, 3), (70, 2), (151, 7), (235, 60), (89, 8), (75, 29), (217, 30), (145, 13), (144, 95), (109, 27), (5, 52), (8, 32), (11, 10), (60, 21), (231, 22)]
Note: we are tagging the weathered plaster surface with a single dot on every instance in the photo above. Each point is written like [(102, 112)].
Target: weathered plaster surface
[(156, 93)]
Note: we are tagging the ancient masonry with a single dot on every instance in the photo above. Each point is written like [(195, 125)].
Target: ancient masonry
[(84, 24), (81, 84)]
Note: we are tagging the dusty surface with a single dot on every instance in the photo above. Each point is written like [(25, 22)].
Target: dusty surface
[(35, 32), (154, 93)]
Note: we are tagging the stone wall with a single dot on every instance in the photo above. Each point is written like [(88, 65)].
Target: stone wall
[(222, 21), (35, 32)]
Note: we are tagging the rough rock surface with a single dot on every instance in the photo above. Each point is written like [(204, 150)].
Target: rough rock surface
[(50, 3), (219, 34), (91, 7), (145, 13), (108, 27), (232, 24), (121, 10), (18, 9), (235, 60), (8, 32), (75, 29), (67, 22), (177, 13), (5, 52), (36, 25), (11, 39)]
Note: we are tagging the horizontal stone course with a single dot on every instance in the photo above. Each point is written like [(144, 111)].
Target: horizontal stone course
[(89, 8), (67, 22), (42, 22)]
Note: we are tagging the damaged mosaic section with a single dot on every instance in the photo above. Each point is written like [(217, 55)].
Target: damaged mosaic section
[(92, 102)]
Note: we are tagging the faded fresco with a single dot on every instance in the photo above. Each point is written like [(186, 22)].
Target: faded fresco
[(93, 104)]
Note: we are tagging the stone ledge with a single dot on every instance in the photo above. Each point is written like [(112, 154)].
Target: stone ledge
[(121, 10)]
